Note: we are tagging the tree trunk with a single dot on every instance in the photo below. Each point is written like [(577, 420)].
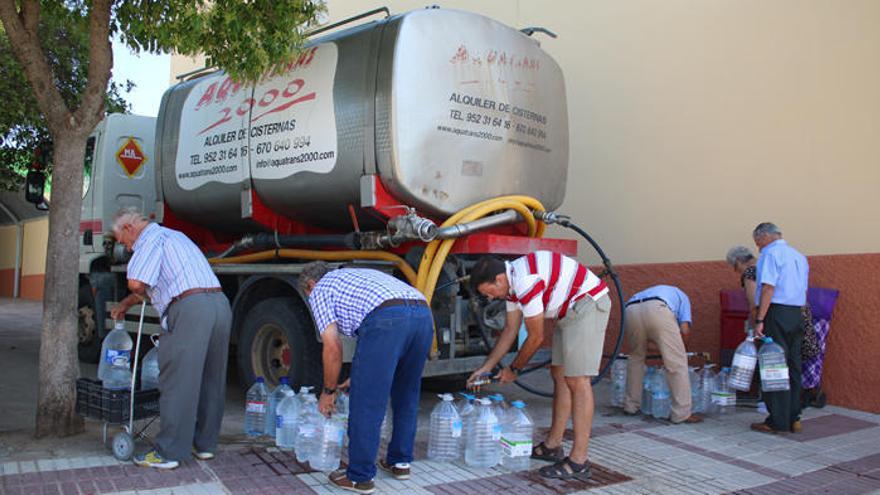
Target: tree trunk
[(59, 366)]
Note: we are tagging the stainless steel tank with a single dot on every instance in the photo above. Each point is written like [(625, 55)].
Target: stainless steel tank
[(446, 107)]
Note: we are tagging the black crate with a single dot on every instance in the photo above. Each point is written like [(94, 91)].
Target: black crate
[(96, 402)]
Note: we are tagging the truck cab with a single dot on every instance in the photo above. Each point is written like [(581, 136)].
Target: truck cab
[(119, 171)]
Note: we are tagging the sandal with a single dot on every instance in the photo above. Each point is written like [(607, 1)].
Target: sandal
[(566, 469), (542, 452)]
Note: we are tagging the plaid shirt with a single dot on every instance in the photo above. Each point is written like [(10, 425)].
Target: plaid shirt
[(347, 295)]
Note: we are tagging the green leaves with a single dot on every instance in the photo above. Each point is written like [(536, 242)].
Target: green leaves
[(242, 37)]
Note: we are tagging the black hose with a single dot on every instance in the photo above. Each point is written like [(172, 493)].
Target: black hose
[(609, 270), (264, 240)]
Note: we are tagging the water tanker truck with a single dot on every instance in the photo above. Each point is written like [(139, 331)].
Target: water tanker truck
[(412, 144)]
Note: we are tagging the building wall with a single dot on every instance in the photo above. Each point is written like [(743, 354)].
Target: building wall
[(36, 235), (691, 122)]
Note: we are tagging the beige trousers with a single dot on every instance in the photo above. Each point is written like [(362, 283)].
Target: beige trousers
[(653, 321)]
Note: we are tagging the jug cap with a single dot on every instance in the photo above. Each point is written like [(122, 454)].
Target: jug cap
[(445, 397), (518, 404)]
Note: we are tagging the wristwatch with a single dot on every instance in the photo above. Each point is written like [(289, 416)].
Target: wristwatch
[(759, 320), (328, 391), (516, 371)]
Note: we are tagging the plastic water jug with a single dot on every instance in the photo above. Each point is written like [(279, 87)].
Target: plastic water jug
[(150, 369), (256, 405), (119, 375), (618, 382), (707, 385), (482, 449), (466, 409), (723, 397), (516, 437), (308, 429), (286, 421), (696, 393), (281, 391), (774, 368), (328, 445), (499, 405), (117, 345), (444, 434), (342, 405), (647, 406), (660, 397), (744, 360)]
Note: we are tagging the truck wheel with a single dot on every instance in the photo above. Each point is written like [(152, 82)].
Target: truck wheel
[(89, 348), (278, 339)]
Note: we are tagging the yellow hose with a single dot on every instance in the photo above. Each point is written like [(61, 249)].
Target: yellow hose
[(305, 254)]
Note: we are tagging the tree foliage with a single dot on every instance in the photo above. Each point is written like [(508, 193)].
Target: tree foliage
[(22, 125)]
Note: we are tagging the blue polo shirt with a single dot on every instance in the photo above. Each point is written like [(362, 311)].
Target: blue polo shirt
[(674, 297), (787, 270)]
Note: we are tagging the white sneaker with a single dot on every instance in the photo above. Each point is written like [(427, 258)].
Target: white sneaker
[(202, 456)]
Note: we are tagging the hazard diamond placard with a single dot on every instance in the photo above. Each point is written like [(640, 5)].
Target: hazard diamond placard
[(130, 157)]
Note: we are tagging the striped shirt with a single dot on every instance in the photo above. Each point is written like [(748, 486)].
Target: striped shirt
[(347, 295), (549, 283), (169, 263)]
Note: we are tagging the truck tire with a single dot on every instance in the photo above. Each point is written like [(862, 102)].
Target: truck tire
[(89, 348), (277, 339)]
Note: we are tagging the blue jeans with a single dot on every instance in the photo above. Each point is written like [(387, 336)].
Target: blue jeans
[(392, 346)]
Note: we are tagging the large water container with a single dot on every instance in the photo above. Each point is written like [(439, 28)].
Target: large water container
[(647, 407), (342, 404), (618, 382), (255, 408), (482, 449), (328, 446), (660, 397), (516, 437), (774, 368), (723, 397), (287, 419), (444, 433), (150, 369), (499, 405), (696, 391), (119, 375), (308, 429), (442, 108), (466, 408), (117, 345), (744, 360), (708, 382), (281, 391)]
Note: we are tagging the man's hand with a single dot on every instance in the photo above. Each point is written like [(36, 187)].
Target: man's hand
[(759, 329), (506, 375), (118, 311), (476, 375), (346, 384), (327, 404)]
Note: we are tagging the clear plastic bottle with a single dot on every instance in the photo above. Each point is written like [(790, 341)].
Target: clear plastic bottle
[(119, 374), (307, 430), (774, 368), (342, 405), (466, 409), (660, 397), (618, 382), (516, 438), (647, 406), (707, 385), (281, 391), (723, 397), (117, 345), (744, 360), (499, 405), (328, 445), (444, 433), (255, 409), (286, 421), (694, 380), (150, 369), (482, 449)]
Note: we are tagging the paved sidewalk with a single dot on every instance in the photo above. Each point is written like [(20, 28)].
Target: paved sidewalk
[(838, 452)]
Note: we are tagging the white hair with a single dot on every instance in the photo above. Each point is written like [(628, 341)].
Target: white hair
[(739, 254), (130, 215), (766, 228)]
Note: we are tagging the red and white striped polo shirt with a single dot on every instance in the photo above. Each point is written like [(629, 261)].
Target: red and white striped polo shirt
[(549, 283)]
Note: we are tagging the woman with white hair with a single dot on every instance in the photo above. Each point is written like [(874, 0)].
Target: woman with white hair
[(744, 264)]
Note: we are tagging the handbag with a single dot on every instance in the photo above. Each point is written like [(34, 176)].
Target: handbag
[(811, 346)]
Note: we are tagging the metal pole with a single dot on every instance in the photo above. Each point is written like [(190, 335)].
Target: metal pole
[(19, 236)]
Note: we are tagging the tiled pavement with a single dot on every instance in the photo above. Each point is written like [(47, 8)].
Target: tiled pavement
[(839, 452)]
